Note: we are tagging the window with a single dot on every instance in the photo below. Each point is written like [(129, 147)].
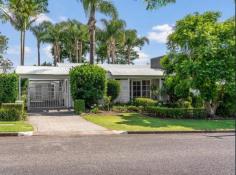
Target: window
[(146, 88), (141, 88)]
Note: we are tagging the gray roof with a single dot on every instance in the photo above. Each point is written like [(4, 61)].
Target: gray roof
[(113, 69)]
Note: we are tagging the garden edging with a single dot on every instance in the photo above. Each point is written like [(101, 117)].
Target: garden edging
[(9, 134), (177, 132)]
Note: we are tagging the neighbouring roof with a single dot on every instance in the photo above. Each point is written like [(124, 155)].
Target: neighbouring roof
[(155, 62), (113, 69)]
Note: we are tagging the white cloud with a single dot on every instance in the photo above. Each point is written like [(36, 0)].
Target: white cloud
[(63, 18), (143, 57), (43, 17), (160, 33), (47, 51), (15, 50)]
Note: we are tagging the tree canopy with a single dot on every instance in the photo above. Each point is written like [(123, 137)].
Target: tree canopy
[(201, 59)]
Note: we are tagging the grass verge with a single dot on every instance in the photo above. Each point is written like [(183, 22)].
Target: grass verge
[(16, 126), (138, 122)]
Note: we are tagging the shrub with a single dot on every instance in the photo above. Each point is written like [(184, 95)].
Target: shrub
[(88, 82), (8, 88), (107, 102), (144, 102), (9, 115), (79, 106), (95, 110), (119, 109), (133, 109), (18, 106), (175, 112), (113, 89)]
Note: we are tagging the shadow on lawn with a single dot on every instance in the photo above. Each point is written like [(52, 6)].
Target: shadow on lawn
[(134, 119)]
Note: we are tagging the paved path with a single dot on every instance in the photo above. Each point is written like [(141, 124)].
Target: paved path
[(167, 154), (63, 123)]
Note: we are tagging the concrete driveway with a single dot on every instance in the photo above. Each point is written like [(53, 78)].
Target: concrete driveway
[(63, 123)]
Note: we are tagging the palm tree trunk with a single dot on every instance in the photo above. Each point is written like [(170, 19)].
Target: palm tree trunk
[(76, 51), (21, 46), (92, 27), (38, 47), (80, 51), (23, 49), (113, 52)]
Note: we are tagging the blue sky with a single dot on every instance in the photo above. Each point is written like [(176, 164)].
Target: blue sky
[(155, 24)]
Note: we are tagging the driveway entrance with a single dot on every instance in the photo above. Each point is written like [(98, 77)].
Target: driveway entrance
[(63, 123)]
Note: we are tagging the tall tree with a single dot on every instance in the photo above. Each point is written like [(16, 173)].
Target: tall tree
[(202, 58), (39, 31), (53, 36), (21, 14), (132, 41), (91, 7), (153, 4), (113, 35), (75, 39), (3, 44)]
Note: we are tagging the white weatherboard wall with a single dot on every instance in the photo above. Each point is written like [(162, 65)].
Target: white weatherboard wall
[(124, 92)]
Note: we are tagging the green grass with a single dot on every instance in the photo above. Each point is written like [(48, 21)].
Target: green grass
[(18, 126), (137, 122)]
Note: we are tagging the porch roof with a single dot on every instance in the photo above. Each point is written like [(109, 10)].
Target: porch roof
[(113, 69)]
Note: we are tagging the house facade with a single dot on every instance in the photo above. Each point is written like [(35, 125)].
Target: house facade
[(49, 87)]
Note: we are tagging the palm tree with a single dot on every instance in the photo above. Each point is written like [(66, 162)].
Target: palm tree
[(91, 7), (21, 14), (76, 35), (113, 34), (153, 4), (39, 31), (132, 41)]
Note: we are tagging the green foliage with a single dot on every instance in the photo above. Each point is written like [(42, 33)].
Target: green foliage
[(133, 109), (8, 88), (144, 102), (95, 110), (79, 106), (3, 44), (113, 89), (88, 82), (119, 108), (154, 4), (107, 102), (175, 113), (201, 58), (9, 115)]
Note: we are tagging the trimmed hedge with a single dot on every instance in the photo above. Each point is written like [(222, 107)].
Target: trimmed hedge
[(175, 112), (79, 106), (113, 89), (9, 115), (19, 107), (8, 88), (144, 102), (88, 82)]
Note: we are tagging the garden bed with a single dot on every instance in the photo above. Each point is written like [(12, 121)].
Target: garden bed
[(139, 122)]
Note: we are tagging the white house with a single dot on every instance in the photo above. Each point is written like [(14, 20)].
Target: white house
[(49, 87)]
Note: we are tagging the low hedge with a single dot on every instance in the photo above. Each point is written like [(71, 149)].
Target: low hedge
[(79, 106), (10, 115), (144, 102), (175, 112), (18, 107)]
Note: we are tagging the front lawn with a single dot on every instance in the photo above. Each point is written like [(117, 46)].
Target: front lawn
[(16, 126), (138, 122)]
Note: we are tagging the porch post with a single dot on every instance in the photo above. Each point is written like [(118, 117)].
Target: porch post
[(19, 88)]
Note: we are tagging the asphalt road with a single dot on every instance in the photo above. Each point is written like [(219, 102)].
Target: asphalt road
[(172, 154)]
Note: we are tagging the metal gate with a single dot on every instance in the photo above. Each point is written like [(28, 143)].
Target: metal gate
[(46, 94)]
